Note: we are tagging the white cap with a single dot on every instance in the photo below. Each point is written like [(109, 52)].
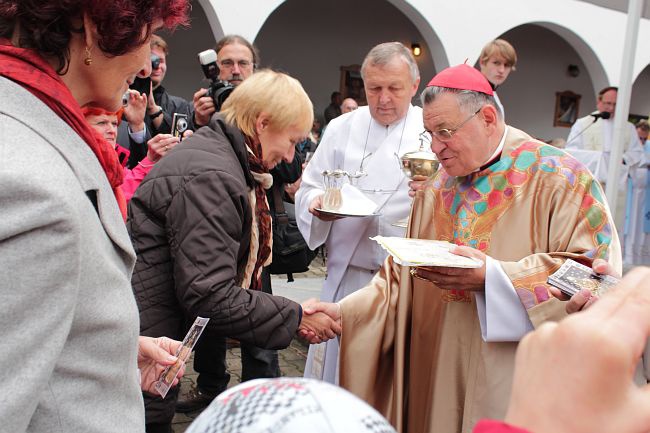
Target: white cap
[(289, 405)]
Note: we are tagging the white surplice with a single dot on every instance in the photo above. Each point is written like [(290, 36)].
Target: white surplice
[(637, 233), (598, 136), (353, 258)]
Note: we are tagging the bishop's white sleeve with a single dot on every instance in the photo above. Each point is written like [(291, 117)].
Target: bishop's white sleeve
[(501, 313)]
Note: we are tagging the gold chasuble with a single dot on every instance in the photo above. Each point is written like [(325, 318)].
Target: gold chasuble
[(414, 351)]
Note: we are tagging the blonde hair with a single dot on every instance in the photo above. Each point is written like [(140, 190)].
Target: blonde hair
[(158, 42), (499, 47), (276, 94)]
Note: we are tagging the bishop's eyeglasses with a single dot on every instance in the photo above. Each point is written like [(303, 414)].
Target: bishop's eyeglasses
[(446, 134)]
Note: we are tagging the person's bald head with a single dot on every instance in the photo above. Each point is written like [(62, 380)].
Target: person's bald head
[(348, 105)]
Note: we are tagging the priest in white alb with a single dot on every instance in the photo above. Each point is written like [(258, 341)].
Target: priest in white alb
[(367, 142), (591, 140)]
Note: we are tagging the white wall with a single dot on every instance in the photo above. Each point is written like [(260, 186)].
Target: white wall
[(311, 39), (184, 75), (640, 103), (529, 94)]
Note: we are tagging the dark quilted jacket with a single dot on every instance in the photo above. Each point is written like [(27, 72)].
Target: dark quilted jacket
[(190, 225)]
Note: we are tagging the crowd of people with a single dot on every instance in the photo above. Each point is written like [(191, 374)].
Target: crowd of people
[(120, 228)]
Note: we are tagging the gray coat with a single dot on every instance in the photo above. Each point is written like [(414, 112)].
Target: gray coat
[(68, 319)]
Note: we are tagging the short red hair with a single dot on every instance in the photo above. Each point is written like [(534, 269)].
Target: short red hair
[(96, 111)]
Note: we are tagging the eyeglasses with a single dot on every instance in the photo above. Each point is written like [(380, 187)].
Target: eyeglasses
[(445, 135), (229, 64)]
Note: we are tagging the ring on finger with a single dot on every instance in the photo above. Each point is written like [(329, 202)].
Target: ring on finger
[(414, 274)]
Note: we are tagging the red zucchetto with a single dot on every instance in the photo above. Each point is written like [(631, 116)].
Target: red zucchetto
[(462, 77)]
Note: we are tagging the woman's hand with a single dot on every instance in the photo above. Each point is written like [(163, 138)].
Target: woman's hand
[(321, 321), (160, 145), (154, 355)]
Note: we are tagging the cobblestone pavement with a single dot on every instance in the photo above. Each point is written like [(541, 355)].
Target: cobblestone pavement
[(292, 359)]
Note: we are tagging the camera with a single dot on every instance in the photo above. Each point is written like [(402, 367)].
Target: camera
[(155, 62), (179, 125), (219, 89)]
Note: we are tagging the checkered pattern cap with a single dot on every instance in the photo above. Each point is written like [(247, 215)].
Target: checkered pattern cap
[(462, 77), (289, 405)]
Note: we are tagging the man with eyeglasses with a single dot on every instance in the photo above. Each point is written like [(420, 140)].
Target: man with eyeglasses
[(237, 59), (368, 142), (591, 139), (433, 348)]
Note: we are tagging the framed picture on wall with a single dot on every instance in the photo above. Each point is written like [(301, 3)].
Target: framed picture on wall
[(567, 106), (352, 84), (634, 118)]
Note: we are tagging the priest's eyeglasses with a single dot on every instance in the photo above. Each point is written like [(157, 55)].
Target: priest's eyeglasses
[(445, 134)]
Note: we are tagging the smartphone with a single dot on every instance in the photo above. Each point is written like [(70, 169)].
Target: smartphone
[(141, 85), (179, 124)]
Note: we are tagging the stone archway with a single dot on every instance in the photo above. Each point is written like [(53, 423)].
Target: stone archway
[(545, 51), (311, 40), (640, 100)]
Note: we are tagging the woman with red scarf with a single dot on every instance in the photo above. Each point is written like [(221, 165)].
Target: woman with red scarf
[(68, 318)]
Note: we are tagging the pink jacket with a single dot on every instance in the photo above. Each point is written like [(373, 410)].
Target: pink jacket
[(491, 426), (133, 178)]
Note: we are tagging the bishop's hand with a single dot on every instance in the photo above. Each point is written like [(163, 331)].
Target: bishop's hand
[(449, 278), (321, 321)]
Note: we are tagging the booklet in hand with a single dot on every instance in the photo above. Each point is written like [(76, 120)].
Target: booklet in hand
[(424, 252)]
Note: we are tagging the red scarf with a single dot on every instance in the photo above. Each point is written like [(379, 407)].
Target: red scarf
[(27, 68), (263, 214)]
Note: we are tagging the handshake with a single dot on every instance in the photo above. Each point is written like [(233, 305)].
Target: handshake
[(321, 321)]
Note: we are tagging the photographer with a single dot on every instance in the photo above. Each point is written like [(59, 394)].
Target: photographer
[(161, 106), (237, 59)]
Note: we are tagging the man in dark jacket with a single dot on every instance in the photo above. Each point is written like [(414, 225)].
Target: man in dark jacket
[(161, 106), (334, 109)]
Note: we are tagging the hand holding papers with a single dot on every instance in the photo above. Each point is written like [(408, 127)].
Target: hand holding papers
[(168, 376), (584, 298), (572, 277), (424, 252), (447, 266)]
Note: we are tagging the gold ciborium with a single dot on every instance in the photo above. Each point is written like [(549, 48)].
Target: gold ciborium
[(422, 162)]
